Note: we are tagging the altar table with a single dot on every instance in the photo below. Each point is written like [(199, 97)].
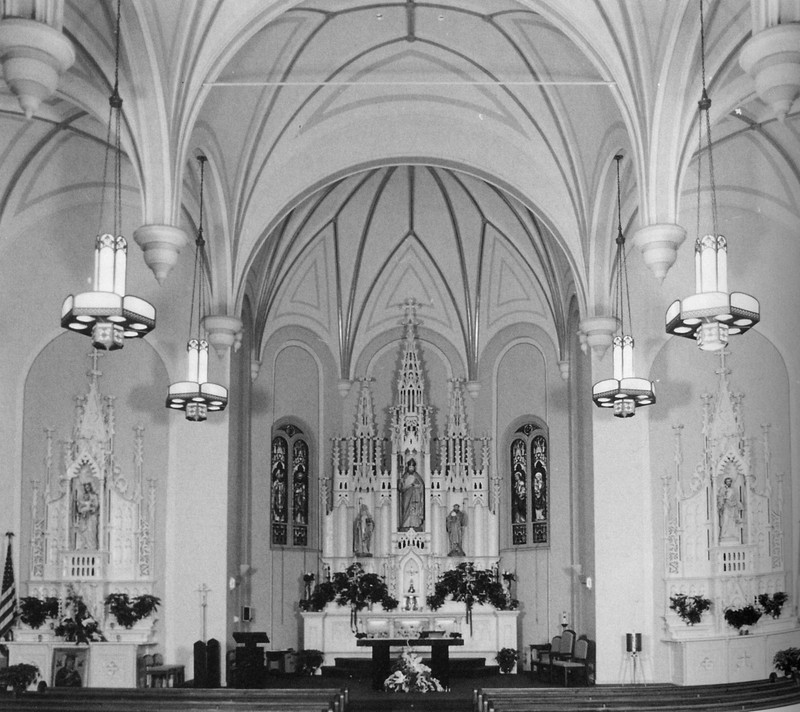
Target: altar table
[(381, 668)]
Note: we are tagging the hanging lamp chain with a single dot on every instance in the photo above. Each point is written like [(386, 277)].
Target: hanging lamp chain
[(198, 291), (623, 297), (704, 106), (113, 140)]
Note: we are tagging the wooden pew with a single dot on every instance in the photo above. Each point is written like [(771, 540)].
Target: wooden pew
[(179, 700), (630, 698)]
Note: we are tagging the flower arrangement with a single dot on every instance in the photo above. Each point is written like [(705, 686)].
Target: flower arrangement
[(739, 617), (353, 587), (35, 611), (410, 675), (129, 611), (77, 625), (772, 605), (470, 585), (506, 659), (690, 609)]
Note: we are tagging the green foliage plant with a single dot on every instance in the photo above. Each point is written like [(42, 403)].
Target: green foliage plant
[(772, 605), (35, 611), (690, 609), (739, 617)]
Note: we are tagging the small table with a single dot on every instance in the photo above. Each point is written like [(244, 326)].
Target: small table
[(381, 668)]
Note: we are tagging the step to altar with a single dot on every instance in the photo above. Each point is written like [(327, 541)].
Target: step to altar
[(362, 667)]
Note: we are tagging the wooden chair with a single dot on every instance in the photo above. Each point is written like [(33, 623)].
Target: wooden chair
[(543, 659), (579, 662), (564, 651), (159, 675)]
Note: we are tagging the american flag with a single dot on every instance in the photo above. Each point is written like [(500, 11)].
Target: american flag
[(8, 597)]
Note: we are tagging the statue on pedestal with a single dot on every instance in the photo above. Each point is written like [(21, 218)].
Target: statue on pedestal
[(456, 521), (412, 498), (363, 526)]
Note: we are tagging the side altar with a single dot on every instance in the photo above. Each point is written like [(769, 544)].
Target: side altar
[(410, 513), (93, 522), (724, 530)]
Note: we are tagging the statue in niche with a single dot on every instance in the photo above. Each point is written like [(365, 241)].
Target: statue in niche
[(456, 521), (363, 526), (86, 515), (412, 498), (728, 507)]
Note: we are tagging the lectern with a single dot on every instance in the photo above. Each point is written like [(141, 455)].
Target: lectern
[(250, 669)]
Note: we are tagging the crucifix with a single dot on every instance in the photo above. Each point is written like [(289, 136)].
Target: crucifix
[(204, 591)]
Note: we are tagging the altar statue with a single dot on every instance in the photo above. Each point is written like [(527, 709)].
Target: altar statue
[(87, 507), (456, 521), (412, 498), (728, 511), (363, 526)]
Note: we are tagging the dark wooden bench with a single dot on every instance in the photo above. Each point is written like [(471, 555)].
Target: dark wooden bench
[(179, 700), (630, 698)]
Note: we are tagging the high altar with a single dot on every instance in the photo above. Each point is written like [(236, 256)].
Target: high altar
[(93, 525), (724, 538), (410, 522)]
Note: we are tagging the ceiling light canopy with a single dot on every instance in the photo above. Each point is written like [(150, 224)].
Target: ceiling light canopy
[(107, 314), (713, 313), (623, 393)]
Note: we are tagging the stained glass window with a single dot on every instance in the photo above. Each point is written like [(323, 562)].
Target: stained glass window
[(529, 486), (290, 487)]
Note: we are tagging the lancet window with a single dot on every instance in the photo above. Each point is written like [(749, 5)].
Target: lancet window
[(289, 486), (530, 485)]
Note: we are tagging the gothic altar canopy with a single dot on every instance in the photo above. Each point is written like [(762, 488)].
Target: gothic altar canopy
[(93, 517), (724, 529), (411, 513)]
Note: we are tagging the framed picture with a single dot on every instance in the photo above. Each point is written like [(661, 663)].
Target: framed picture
[(69, 667)]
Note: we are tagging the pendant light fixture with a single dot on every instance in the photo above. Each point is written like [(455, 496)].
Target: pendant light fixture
[(107, 314), (196, 396), (624, 392), (712, 314)]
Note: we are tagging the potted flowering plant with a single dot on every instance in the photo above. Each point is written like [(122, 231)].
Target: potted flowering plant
[(309, 661), (18, 677), (690, 609), (506, 659), (410, 675), (788, 662)]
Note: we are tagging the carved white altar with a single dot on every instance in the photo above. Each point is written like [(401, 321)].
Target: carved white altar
[(724, 536), (410, 514), (92, 535)]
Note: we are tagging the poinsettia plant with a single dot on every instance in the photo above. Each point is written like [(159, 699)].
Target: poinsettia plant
[(128, 611), (690, 609), (35, 611)]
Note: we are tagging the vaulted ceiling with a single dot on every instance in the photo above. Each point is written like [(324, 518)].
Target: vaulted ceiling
[(501, 119)]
